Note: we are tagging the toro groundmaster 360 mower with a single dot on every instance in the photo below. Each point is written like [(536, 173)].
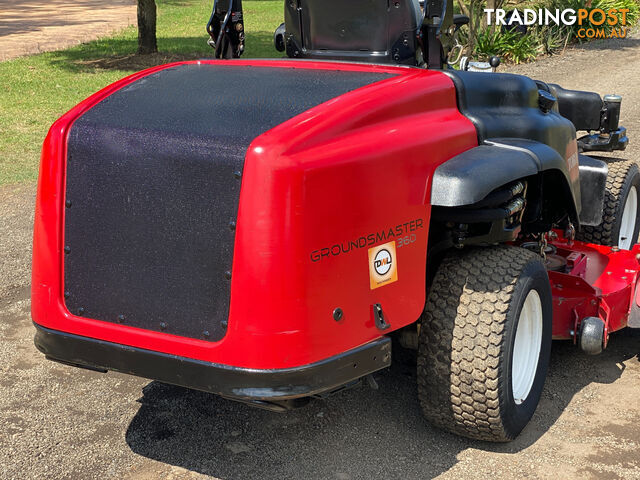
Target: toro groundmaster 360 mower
[(261, 229)]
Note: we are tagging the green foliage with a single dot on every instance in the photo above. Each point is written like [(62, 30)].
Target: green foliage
[(512, 46), (543, 39), (564, 34), (633, 5)]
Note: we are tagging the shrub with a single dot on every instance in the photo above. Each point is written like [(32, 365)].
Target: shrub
[(561, 35), (509, 45), (539, 39)]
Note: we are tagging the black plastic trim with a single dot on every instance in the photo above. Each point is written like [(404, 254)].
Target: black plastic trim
[(228, 381), (593, 183), (505, 108), (470, 176)]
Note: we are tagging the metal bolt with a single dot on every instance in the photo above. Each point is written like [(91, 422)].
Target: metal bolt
[(120, 318), (224, 323), (227, 275), (67, 249), (80, 311), (237, 174), (338, 314), (67, 294), (163, 326), (68, 203), (232, 225), (205, 334)]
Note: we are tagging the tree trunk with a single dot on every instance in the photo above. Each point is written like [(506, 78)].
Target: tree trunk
[(147, 42), (494, 4), (490, 4)]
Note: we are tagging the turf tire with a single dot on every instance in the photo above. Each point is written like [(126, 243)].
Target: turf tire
[(467, 335)]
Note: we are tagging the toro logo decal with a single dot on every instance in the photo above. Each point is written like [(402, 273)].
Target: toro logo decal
[(383, 265)]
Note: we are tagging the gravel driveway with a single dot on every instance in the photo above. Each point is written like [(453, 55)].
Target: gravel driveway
[(32, 26), (61, 422)]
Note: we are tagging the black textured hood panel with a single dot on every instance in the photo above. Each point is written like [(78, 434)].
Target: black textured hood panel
[(153, 186)]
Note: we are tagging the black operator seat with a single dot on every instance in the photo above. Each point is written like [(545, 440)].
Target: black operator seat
[(375, 31)]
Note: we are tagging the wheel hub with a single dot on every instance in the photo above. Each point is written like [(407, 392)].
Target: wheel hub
[(628, 222), (526, 349)]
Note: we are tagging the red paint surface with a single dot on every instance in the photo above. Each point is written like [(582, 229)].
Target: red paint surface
[(605, 289), (356, 165)]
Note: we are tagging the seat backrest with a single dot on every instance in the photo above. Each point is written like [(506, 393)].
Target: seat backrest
[(378, 31)]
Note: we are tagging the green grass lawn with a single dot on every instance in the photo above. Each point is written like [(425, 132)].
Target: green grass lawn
[(36, 90)]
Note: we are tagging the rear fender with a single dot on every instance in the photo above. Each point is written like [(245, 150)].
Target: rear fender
[(470, 176), (593, 183)]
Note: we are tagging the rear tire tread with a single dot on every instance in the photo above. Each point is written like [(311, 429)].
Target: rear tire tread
[(461, 394)]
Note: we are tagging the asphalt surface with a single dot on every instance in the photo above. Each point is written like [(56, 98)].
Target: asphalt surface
[(61, 422)]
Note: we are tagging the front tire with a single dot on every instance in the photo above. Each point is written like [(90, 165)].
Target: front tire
[(484, 344), (621, 215)]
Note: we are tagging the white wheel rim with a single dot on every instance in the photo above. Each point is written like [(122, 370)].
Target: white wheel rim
[(526, 348), (628, 222)]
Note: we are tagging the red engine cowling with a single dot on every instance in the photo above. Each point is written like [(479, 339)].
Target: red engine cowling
[(330, 218)]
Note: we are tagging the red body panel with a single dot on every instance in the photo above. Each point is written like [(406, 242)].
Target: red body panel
[(603, 285), (355, 166), (317, 192)]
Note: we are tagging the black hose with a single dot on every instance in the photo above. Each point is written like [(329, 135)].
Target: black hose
[(478, 215), (500, 197)]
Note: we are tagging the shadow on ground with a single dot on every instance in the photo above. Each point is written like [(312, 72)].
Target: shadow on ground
[(355, 434), (119, 53), (121, 56)]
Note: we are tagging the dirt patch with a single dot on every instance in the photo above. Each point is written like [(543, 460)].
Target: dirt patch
[(16, 227), (30, 26), (135, 62)]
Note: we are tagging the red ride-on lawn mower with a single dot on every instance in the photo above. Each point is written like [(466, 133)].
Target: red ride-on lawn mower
[(262, 229)]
